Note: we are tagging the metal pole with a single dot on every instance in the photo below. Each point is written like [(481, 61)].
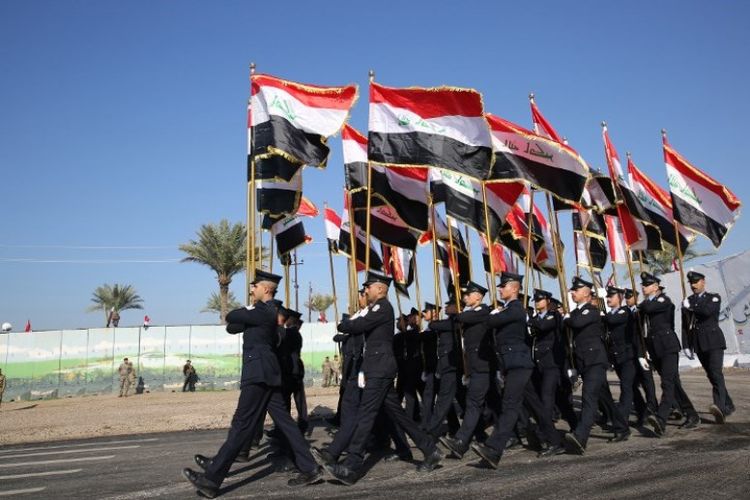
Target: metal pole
[(435, 265), (296, 284), (530, 234), (250, 254), (353, 238), (493, 289)]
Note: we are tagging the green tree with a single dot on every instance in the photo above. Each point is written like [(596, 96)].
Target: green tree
[(213, 304), (115, 297), (319, 302), (661, 262), (220, 247)]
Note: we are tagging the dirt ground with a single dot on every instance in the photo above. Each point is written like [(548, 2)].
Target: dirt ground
[(108, 415)]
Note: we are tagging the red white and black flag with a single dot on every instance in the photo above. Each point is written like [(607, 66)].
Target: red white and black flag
[(441, 127), (277, 197), (629, 227), (542, 126), (657, 202), (294, 120), (520, 154), (333, 229), (464, 201), (502, 260), (399, 264), (355, 159), (345, 247), (289, 234), (698, 201), (387, 226)]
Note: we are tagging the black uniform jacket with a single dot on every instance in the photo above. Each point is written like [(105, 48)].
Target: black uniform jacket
[(624, 344), (376, 325), (447, 353), (587, 329), (706, 333), (549, 347), (510, 336), (480, 353), (657, 316), (260, 363)]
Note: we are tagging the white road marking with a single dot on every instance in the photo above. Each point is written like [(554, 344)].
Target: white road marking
[(63, 461), (154, 492), (21, 492), (87, 450), (39, 474), (98, 443)]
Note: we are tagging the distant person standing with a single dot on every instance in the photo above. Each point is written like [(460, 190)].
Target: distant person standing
[(187, 369), (124, 371), (2, 385), (327, 372), (336, 367), (146, 322)]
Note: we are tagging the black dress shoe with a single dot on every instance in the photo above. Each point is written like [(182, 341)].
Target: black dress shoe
[(284, 464), (431, 461), (513, 442), (676, 414), (620, 437), (202, 461), (323, 456), (207, 487), (691, 422), (717, 413), (305, 478), (456, 446), (242, 457), (551, 451), (656, 425), (342, 474), (395, 457), (573, 445), (488, 454)]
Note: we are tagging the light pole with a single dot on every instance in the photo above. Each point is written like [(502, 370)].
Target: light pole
[(296, 263)]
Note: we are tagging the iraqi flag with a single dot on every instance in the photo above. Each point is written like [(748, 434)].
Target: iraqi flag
[(596, 248), (387, 226), (279, 197), (630, 232), (617, 250), (274, 168), (599, 195), (464, 201), (440, 127), (333, 228), (399, 264), (456, 266), (345, 242), (658, 203), (542, 126), (289, 234), (698, 201), (500, 257), (355, 158), (294, 120), (520, 154)]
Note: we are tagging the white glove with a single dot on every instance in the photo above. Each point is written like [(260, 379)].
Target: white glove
[(465, 381), (424, 376), (500, 379), (686, 303), (688, 353), (644, 364), (572, 373), (567, 316), (361, 380), (437, 375)]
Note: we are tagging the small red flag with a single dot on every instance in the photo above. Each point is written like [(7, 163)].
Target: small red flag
[(28, 326)]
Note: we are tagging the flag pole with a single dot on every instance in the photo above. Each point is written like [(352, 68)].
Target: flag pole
[(435, 267), (250, 238), (354, 303), (416, 287), (333, 275), (557, 245), (286, 282), (456, 285), (677, 238), (493, 290), (270, 254), (530, 224), (371, 77)]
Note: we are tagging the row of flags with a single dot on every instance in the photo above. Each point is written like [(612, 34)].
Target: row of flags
[(430, 146)]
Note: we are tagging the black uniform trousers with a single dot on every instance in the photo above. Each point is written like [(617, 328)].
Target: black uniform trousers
[(614, 415), (446, 394), (672, 392), (428, 398), (410, 387), (542, 413), (254, 400), (713, 363), (516, 382), (645, 380), (626, 373), (379, 392), (476, 394), (348, 417), (594, 377)]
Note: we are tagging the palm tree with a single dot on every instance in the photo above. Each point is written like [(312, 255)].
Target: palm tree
[(319, 302), (661, 262), (115, 298), (222, 248), (213, 304)]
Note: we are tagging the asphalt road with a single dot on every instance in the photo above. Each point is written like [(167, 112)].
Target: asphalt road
[(712, 461)]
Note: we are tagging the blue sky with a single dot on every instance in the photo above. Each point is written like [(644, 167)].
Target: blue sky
[(122, 124)]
